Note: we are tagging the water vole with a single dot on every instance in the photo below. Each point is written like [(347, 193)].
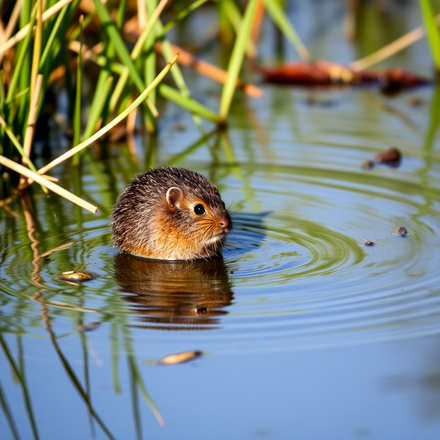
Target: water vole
[(170, 214)]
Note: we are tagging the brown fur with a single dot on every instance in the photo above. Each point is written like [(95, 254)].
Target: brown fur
[(151, 220)]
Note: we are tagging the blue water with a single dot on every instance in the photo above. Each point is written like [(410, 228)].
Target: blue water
[(306, 332)]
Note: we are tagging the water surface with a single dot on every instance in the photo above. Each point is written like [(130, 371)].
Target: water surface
[(306, 331)]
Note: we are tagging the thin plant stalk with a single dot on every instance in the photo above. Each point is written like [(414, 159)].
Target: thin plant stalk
[(237, 60), (13, 19), (25, 29), (25, 391), (190, 104), (280, 18), (77, 105), (17, 145), (392, 48), (120, 47), (181, 15), (19, 63), (99, 109), (37, 46), (71, 373), (150, 61), (135, 53), (32, 119), (432, 31), (114, 122), (8, 415)]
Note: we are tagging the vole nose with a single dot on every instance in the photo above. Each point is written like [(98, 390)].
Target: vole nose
[(224, 222)]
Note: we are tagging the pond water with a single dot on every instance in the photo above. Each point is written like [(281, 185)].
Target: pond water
[(306, 332)]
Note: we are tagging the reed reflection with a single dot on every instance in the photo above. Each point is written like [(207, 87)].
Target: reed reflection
[(175, 295)]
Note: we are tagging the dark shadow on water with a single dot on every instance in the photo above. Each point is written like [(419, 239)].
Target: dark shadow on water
[(174, 295)]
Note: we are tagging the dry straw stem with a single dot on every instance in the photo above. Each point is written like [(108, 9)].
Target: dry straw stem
[(12, 20), (47, 183), (24, 31), (211, 71), (392, 48), (142, 13), (37, 46), (30, 128), (113, 123)]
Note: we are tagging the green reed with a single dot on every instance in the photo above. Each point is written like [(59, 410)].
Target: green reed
[(432, 31), (60, 48)]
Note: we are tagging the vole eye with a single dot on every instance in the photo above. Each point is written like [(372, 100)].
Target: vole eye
[(199, 209)]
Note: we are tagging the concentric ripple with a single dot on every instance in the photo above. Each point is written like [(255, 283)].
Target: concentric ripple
[(296, 271)]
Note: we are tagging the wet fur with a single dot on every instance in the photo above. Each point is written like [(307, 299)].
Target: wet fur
[(145, 224)]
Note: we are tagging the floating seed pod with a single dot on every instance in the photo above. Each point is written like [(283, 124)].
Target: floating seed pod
[(78, 276), (179, 358), (401, 231), (367, 165), (391, 155)]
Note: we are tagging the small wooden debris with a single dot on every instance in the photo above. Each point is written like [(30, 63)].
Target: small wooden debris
[(391, 155), (78, 276), (367, 165), (329, 73), (402, 231), (179, 358)]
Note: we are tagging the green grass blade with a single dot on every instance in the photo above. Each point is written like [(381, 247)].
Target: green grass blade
[(236, 60), (191, 105), (113, 33), (77, 105), (233, 14), (18, 146), (2, 110), (136, 52), (99, 101), (150, 63), (280, 18), (181, 15), (137, 378), (134, 397), (8, 415), (432, 31), (54, 35), (114, 122), (434, 123), (20, 61), (24, 388), (115, 357), (77, 385)]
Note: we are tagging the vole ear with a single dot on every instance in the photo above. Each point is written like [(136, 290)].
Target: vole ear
[(174, 197)]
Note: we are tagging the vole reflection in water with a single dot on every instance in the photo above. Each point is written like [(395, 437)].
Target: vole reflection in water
[(175, 295)]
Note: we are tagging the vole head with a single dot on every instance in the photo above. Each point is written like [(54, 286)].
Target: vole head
[(175, 214)]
